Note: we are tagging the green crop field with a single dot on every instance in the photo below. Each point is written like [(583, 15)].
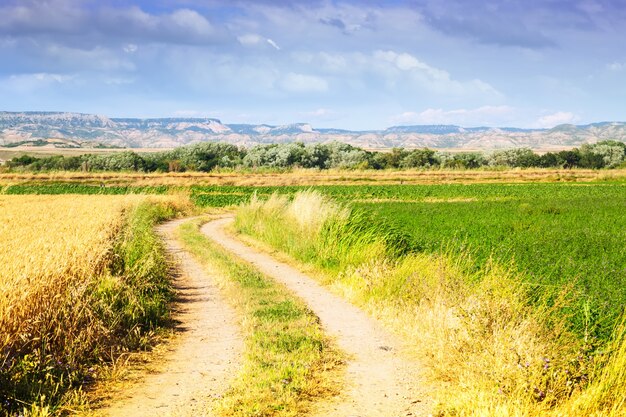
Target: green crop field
[(511, 294), (552, 235), (78, 188)]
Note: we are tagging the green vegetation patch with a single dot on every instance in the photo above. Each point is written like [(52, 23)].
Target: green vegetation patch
[(495, 338), (78, 188), (209, 156)]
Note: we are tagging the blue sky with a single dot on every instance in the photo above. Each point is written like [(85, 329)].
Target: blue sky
[(346, 64)]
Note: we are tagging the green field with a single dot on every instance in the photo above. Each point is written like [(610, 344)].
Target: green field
[(511, 295), (551, 235)]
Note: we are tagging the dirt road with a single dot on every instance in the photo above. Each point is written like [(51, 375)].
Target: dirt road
[(382, 382), (203, 358)]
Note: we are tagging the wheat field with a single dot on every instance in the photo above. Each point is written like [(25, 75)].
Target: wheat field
[(51, 246), (64, 304)]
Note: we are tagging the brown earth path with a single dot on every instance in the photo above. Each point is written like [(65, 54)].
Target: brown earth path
[(381, 381), (204, 357)]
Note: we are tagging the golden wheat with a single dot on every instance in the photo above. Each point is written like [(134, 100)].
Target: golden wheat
[(51, 247)]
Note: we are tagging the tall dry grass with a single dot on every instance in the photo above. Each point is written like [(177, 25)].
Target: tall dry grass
[(491, 345), (319, 177)]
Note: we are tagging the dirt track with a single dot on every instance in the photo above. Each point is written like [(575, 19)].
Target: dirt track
[(381, 382), (204, 357)]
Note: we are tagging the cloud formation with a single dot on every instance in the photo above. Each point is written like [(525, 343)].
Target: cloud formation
[(486, 115), (401, 61), (302, 83), (69, 21), (555, 119), (521, 23)]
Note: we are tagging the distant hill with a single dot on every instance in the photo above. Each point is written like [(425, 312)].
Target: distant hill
[(88, 130)]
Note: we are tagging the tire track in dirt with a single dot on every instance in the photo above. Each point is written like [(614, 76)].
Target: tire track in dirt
[(204, 357), (381, 382)]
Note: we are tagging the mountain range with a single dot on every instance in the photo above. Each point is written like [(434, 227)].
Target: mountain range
[(63, 129)]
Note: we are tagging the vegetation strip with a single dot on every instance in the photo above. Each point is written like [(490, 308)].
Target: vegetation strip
[(494, 345), (206, 157), (98, 287), (289, 362)]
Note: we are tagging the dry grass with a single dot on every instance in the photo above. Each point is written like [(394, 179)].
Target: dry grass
[(485, 348), (317, 177)]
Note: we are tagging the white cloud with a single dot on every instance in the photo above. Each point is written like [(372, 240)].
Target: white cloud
[(321, 114), (616, 66), (301, 83), (187, 21), (23, 83), (555, 119), (395, 65), (326, 21), (251, 39), (130, 48), (98, 58), (486, 115), (271, 42), (395, 71), (406, 62), (181, 26), (46, 77), (58, 16), (332, 63)]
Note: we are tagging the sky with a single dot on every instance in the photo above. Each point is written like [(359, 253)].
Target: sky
[(344, 64)]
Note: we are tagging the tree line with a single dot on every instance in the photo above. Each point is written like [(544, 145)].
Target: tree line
[(208, 156)]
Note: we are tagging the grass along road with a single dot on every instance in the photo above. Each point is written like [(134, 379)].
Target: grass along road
[(381, 382)]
